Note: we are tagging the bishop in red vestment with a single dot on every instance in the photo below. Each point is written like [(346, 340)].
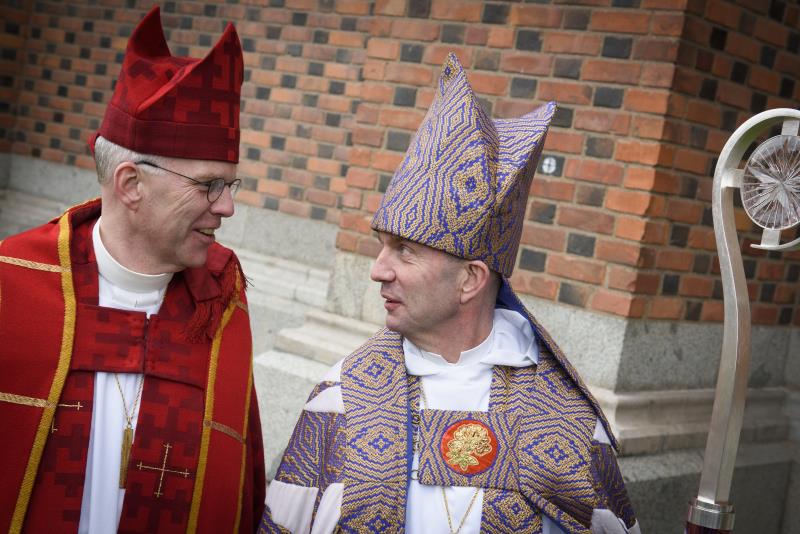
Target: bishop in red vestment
[(124, 408)]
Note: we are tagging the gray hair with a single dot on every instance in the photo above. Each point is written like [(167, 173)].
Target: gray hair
[(108, 156)]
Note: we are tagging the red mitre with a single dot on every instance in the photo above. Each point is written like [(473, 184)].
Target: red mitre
[(178, 107)]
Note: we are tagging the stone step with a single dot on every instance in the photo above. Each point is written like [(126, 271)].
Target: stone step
[(21, 211), (283, 382), (324, 337)]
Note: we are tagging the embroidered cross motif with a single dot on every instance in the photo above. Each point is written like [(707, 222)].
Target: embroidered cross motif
[(77, 406), (163, 470)]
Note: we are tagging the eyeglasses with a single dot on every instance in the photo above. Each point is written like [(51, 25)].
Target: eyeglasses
[(213, 187)]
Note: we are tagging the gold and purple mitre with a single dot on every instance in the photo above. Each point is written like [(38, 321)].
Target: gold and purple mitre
[(463, 184)]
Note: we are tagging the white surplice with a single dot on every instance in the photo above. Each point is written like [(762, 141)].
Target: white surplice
[(122, 289)]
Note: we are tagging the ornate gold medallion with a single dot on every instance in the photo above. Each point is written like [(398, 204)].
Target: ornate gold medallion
[(469, 447)]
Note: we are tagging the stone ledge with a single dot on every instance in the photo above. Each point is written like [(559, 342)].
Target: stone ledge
[(651, 422)]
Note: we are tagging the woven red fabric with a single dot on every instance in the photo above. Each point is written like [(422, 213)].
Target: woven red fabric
[(176, 106)]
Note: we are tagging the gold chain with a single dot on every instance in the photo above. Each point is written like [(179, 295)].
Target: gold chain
[(444, 495), (129, 418)]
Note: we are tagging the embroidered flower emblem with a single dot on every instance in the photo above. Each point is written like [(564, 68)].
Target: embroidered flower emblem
[(469, 446)]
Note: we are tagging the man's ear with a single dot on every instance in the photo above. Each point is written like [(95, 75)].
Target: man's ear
[(127, 184), (477, 278)]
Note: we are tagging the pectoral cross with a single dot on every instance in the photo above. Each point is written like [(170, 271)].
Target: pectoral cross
[(163, 470), (77, 406)]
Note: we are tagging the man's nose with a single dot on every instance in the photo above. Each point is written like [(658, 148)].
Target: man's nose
[(381, 270), (223, 206)]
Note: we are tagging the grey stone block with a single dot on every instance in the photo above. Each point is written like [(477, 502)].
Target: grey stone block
[(54, 181), (270, 232), (283, 382)]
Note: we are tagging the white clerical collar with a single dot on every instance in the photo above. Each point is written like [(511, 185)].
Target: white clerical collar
[(121, 276), (511, 342)]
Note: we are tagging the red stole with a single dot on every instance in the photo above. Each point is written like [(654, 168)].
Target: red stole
[(198, 421)]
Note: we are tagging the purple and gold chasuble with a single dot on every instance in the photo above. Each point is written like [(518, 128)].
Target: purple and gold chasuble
[(542, 419)]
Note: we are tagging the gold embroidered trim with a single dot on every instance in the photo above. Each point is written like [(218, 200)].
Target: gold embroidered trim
[(244, 446), (200, 477), (67, 340), (225, 429), (19, 262), (25, 401), (241, 305)]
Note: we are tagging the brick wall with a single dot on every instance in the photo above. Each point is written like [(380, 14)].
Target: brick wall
[(619, 215)]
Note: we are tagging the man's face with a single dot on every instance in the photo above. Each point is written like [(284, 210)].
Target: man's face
[(419, 285), (175, 214)]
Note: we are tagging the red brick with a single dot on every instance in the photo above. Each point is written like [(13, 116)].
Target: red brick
[(556, 190), (476, 35), (702, 238), (632, 280), (619, 21), (619, 252), (594, 171), (294, 207), (771, 32), (397, 118), (538, 64), (435, 54), (377, 92), (361, 178), (601, 70), (367, 114), (713, 310), (532, 284), (383, 49), (655, 49), (575, 269), (666, 308), (535, 16), (586, 219), (764, 79), (490, 84), (386, 160), (742, 46), (734, 94), (785, 294), (633, 202), (462, 11), (572, 43), (353, 7), (692, 161), (409, 74), (770, 270), (565, 92), (416, 30), (507, 109), (352, 199), (367, 246), (617, 303), (561, 141), (723, 13), (500, 37), (633, 151), (541, 236), (686, 211), (646, 100), (648, 127), (670, 24), (696, 286), (601, 121), (346, 241), (640, 230), (395, 8), (674, 260)]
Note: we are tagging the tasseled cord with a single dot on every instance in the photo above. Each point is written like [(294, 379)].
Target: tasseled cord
[(207, 316)]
